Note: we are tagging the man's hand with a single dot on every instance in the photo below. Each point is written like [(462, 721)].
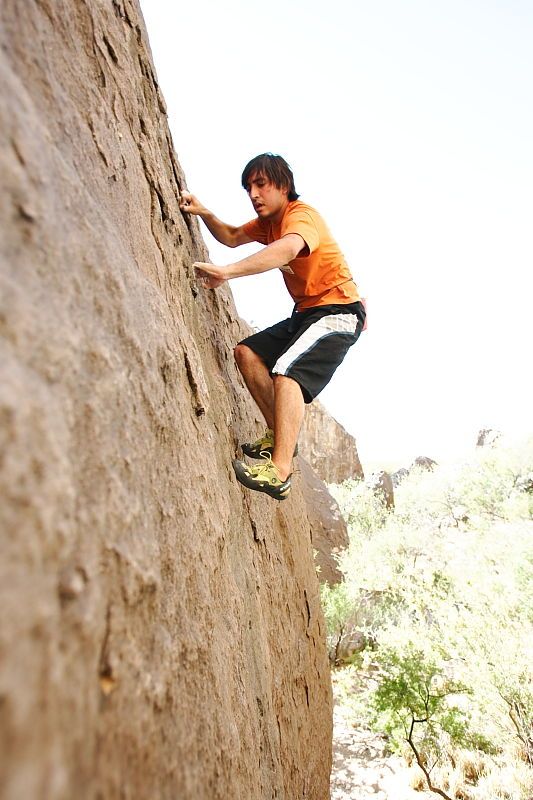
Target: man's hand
[(191, 204), (210, 275), (275, 255), (226, 234)]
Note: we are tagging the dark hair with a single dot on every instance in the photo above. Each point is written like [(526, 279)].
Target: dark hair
[(275, 169)]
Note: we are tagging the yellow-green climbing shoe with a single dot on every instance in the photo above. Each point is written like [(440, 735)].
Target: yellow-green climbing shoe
[(265, 444), (263, 478)]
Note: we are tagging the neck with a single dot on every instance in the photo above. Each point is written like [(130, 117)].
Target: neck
[(276, 218)]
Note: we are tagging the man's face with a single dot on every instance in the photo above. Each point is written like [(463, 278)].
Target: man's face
[(267, 200)]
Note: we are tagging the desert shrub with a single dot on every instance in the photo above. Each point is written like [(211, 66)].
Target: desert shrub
[(442, 587), (363, 509), (338, 607), (416, 702)]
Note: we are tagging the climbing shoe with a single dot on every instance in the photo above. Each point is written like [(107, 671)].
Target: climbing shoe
[(263, 478), (263, 445)]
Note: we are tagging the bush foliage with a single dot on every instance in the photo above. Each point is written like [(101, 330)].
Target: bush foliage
[(439, 590)]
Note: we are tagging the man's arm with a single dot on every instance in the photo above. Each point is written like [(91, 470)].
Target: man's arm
[(230, 235), (275, 255)]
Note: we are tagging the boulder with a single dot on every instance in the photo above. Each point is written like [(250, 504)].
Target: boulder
[(425, 463), (421, 462), (398, 476), (329, 534), (487, 437), (381, 484), (328, 447)]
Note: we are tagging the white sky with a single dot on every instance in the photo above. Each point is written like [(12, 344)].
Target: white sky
[(409, 125)]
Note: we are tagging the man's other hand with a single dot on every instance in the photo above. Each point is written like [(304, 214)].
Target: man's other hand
[(209, 275), (191, 204)]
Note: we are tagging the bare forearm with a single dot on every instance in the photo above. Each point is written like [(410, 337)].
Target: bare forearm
[(276, 255), (223, 233)]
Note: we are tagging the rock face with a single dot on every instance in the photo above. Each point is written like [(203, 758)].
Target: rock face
[(330, 450), (382, 485), (398, 476), (424, 463), (160, 627), (421, 463), (487, 437), (329, 534)]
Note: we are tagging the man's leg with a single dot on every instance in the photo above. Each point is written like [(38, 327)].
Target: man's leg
[(273, 475), (288, 416), (323, 338), (281, 402), (258, 381)]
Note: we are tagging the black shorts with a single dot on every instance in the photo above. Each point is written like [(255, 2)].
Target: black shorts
[(309, 346)]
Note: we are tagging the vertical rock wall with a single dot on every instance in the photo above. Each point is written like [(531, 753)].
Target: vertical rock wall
[(329, 532), (330, 450), (160, 628)]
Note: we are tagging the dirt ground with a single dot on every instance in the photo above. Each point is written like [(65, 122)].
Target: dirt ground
[(362, 768)]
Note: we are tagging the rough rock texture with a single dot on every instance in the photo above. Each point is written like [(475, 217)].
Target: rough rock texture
[(398, 476), (425, 463), (487, 437), (330, 450), (420, 463), (381, 484), (160, 628), (329, 533)]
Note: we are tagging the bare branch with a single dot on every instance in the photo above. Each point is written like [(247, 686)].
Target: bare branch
[(427, 775)]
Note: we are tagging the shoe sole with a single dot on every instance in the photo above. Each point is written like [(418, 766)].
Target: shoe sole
[(251, 452), (257, 487)]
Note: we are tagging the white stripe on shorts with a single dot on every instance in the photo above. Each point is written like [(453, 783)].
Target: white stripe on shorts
[(325, 326)]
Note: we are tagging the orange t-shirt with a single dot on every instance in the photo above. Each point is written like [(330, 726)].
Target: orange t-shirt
[(319, 278)]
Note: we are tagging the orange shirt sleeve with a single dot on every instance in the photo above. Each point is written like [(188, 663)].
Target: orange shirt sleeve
[(301, 221), (256, 231)]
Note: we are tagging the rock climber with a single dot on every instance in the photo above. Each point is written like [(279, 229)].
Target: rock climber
[(288, 364)]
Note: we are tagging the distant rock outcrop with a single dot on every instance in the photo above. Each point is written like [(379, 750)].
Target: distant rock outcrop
[(381, 484), (423, 462), (398, 476), (331, 451), (160, 627), (487, 437)]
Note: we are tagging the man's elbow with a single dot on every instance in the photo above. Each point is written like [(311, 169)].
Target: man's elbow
[(291, 253), (235, 238), (294, 244), (229, 239)]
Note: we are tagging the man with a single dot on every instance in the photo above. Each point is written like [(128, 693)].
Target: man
[(288, 364)]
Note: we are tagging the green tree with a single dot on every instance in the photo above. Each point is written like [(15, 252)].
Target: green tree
[(417, 703), (443, 588)]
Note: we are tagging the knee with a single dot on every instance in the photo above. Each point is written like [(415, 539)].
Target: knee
[(243, 356), (283, 383)]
